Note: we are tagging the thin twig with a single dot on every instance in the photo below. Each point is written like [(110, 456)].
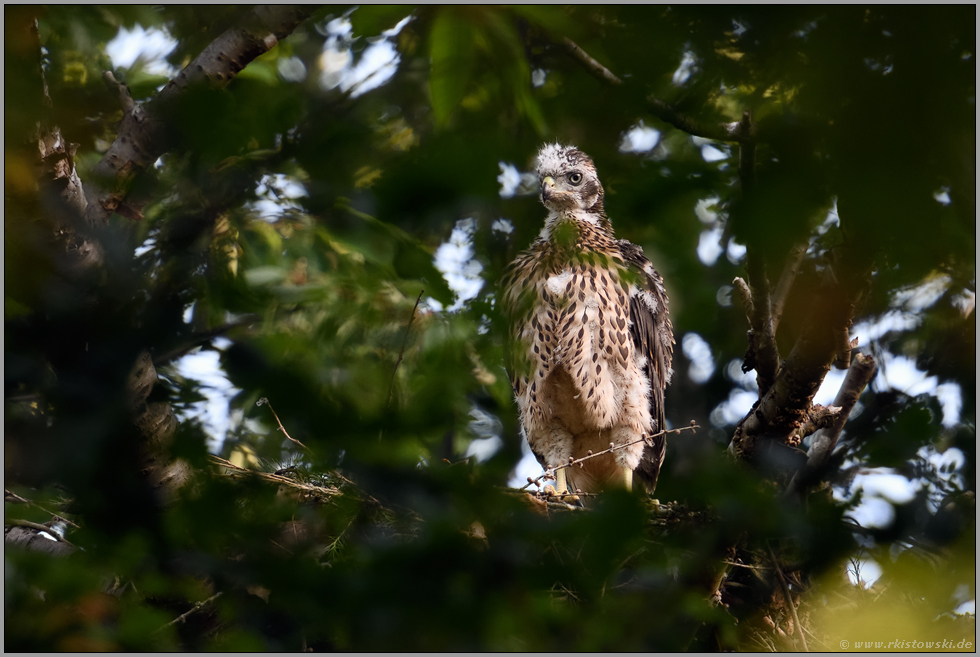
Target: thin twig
[(334, 543), (740, 290), (238, 471), (17, 522), (595, 68), (14, 497), (125, 98), (744, 565), (720, 132), (401, 352), (550, 472), (226, 463), (265, 402), (789, 600), (197, 607)]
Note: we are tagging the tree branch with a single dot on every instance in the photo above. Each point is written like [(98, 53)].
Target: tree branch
[(401, 352), (717, 131), (265, 402), (762, 352), (789, 600), (820, 417), (844, 347), (143, 135), (824, 442), (197, 607), (744, 296), (597, 70), (122, 90), (786, 406), (660, 109), (200, 338)]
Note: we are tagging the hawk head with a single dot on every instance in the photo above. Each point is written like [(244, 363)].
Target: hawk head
[(569, 182)]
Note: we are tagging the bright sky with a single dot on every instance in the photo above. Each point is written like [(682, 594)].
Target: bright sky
[(152, 46)]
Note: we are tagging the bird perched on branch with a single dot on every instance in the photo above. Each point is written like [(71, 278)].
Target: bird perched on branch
[(591, 338)]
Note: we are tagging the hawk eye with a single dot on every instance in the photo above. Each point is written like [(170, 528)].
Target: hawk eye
[(575, 178)]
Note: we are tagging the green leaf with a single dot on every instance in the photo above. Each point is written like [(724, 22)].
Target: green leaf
[(553, 19), (408, 257), (263, 70), (265, 275), (143, 85), (451, 48), (371, 20)]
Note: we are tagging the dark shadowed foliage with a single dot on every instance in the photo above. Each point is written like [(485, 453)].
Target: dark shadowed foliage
[(254, 360)]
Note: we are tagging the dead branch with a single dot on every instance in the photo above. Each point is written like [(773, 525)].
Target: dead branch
[(819, 417), (789, 600), (741, 292), (121, 89), (322, 492), (10, 496), (744, 297), (265, 402), (824, 442), (782, 409), (844, 346), (143, 135), (197, 607)]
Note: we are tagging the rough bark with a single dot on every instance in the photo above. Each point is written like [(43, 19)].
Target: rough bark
[(143, 135), (824, 441), (787, 405)]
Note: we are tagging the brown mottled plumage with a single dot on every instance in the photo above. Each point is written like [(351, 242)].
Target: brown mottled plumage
[(593, 341)]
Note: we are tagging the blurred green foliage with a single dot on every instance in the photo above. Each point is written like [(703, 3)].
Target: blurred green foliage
[(867, 110)]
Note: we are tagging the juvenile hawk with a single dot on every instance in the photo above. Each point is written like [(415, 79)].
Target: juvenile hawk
[(592, 341)]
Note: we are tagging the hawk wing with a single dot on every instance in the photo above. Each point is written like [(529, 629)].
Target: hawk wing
[(653, 340)]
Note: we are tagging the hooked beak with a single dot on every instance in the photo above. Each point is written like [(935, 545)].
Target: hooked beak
[(547, 188)]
